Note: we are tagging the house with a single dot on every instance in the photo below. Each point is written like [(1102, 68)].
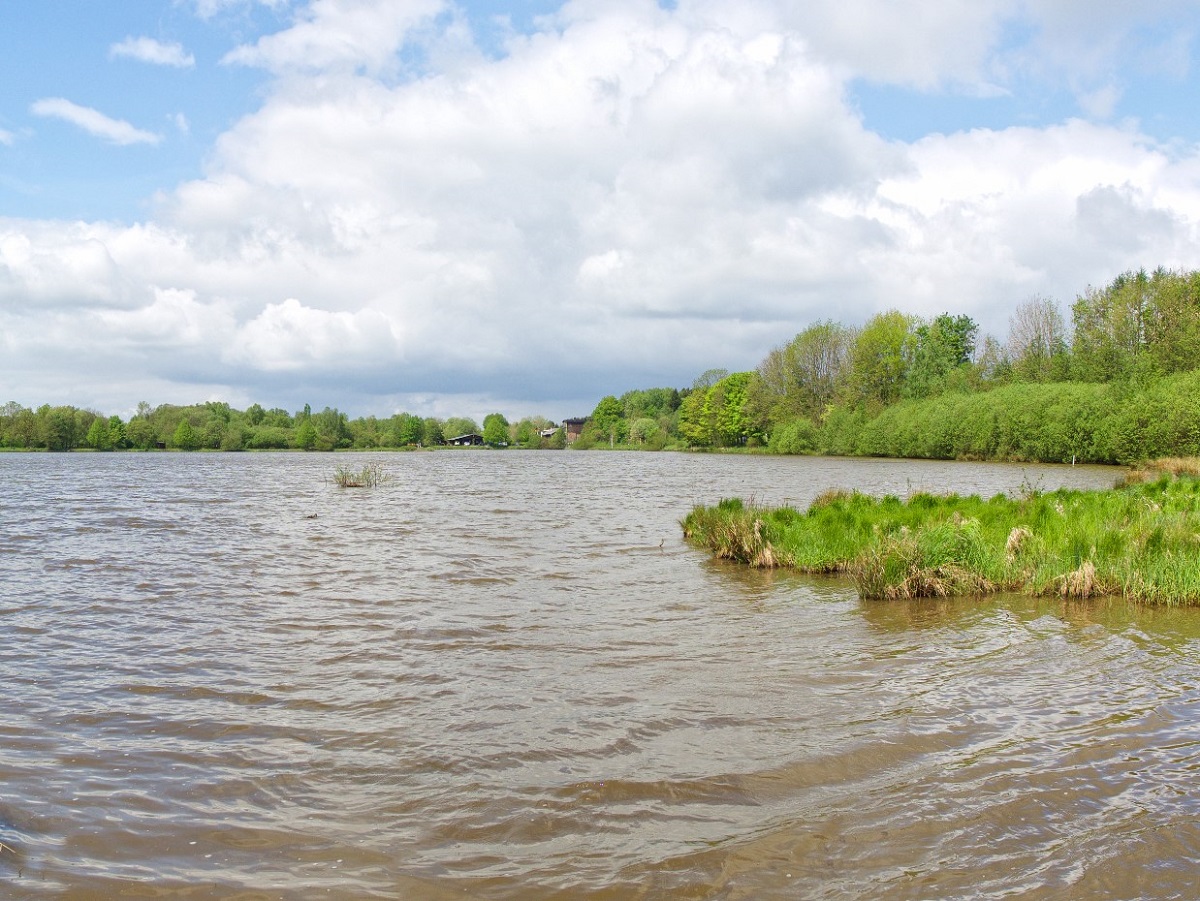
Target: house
[(468, 440), (574, 428)]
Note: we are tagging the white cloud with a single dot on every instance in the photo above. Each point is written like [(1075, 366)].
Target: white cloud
[(148, 50), (115, 131), (628, 197), (289, 337), (339, 34), (206, 9), (7, 137)]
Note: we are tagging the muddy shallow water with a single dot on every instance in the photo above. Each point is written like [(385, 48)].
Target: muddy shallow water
[(505, 676)]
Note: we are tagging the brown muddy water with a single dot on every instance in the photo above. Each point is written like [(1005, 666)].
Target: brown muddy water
[(505, 676)]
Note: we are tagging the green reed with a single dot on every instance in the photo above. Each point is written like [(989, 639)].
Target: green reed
[(1140, 540)]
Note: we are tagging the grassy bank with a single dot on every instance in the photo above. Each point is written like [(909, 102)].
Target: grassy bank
[(1140, 540)]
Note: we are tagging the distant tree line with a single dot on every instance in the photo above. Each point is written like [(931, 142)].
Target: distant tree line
[(218, 426), (1117, 382)]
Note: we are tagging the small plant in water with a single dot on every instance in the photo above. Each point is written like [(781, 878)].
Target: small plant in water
[(370, 476)]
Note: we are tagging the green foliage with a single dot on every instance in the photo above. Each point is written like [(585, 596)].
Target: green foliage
[(643, 430), (1139, 541), (405, 430), (796, 437), (608, 422), (98, 437), (879, 360), (185, 436), (434, 433), (495, 430), (306, 436), (939, 349), (459, 425), (803, 377), (721, 414)]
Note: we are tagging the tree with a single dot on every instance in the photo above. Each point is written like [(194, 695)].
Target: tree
[(141, 433), (938, 348), (727, 402), (1111, 328), (804, 376), (495, 430), (643, 429), (608, 420), (116, 432), (306, 435), (1173, 322), (59, 427), (696, 425), (97, 436), (333, 429), (432, 432), (406, 429), (458, 425), (879, 360), (1037, 340), (186, 437)]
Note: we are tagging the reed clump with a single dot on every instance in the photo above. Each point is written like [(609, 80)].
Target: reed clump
[(1140, 540), (370, 476)]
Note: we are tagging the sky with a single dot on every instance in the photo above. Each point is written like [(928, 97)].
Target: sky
[(454, 208)]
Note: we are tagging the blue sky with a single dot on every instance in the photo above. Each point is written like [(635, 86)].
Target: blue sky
[(440, 207)]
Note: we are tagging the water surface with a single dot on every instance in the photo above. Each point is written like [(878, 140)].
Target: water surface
[(505, 676)]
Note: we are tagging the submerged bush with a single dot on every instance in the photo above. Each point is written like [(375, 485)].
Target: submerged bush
[(370, 476)]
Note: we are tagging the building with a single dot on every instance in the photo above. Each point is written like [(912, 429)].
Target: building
[(574, 428)]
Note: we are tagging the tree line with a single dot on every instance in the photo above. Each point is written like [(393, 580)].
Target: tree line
[(218, 426), (1117, 381)]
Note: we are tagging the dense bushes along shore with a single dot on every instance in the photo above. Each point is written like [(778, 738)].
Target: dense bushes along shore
[(1140, 540), (1119, 383)]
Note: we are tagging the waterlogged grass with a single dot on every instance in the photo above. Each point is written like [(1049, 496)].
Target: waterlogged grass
[(370, 476), (1140, 540)]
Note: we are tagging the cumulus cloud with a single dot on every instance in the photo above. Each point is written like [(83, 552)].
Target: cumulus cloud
[(289, 336), (628, 196), (336, 33), (115, 131), (206, 9), (148, 50)]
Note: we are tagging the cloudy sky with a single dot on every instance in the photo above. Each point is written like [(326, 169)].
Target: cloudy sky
[(522, 205)]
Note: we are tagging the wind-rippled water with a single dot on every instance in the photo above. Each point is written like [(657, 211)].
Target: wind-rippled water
[(505, 676)]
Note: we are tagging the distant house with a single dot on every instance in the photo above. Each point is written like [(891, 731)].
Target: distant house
[(468, 440), (548, 433), (574, 428)]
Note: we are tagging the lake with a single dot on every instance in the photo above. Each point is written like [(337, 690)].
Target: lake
[(504, 675)]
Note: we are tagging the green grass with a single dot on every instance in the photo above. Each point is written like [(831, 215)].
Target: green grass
[(1140, 540)]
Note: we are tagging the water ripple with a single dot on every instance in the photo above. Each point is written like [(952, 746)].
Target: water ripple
[(505, 677)]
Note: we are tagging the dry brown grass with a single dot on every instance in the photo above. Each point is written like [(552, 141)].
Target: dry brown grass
[(1155, 469), (1081, 583), (1016, 540)]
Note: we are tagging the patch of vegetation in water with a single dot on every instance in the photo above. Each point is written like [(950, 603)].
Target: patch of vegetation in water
[(371, 475), (1139, 540)]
